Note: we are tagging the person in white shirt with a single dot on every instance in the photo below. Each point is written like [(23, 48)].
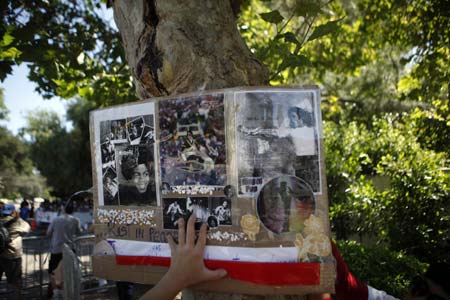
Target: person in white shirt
[(62, 229)]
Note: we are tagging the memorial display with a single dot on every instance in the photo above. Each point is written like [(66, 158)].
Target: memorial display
[(248, 162)]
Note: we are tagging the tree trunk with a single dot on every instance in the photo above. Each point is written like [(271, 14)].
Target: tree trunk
[(178, 46)]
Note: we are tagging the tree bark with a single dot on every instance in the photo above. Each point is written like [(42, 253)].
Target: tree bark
[(178, 46)]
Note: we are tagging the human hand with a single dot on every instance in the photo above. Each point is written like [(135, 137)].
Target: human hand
[(186, 266)]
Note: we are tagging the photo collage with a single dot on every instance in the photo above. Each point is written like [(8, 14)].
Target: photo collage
[(278, 156), (172, 154), (190, 157), (128, 164)]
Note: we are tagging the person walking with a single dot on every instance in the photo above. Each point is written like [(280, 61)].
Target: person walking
[(11, 256), (62, 230), (24, 210)]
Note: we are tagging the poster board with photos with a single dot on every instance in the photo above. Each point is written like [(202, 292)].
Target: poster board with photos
[(248, 162)]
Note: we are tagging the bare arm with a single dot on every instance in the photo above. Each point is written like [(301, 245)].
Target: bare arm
[(168, 209), (23, 227), (50, 229), (186, 266)]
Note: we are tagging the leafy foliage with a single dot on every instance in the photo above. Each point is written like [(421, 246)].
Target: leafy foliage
[(421, 26), (288, 27), (407, 41), (385, 185), (3, 109), (378, 164), (14, 162), (69, 49), (387, 172), (62, 157), (380, 267)]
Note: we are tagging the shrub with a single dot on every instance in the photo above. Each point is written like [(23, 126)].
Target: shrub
[(385, 184), (380, 267)]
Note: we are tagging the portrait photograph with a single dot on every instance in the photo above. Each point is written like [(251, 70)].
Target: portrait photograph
[(284, 203), (136, 173)]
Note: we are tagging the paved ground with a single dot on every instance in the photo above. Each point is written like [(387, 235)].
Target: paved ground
[(108, 293)]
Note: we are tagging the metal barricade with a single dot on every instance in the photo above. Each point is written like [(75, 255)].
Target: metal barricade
[(72, 274), (35, 264), (35, 277), (84, 248)]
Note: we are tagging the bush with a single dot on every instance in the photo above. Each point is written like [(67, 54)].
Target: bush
[(384, 183), (380, 267)]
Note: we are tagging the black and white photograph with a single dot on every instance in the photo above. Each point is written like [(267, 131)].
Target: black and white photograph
[(229, 191), (278, 133), (119, 131), (192, 147), (214, 211), (110, 187), (221, 209), (107, 147), (199, 207), (136, 171), (140, 130), (173, 210), (126, 148), (284, 203)]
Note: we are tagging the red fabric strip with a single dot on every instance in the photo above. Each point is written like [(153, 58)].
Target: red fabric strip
[(264, 273)]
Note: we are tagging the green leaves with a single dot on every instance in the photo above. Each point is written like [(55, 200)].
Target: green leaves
[(281, 47), (7, 40), (324, 29), (294, 61), (70, 49), (290, 37), (273, 17), (307, 8), (377, 170), (8, 52), (388, 270)]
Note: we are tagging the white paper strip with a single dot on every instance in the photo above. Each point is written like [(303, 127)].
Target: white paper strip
[(138, 248)]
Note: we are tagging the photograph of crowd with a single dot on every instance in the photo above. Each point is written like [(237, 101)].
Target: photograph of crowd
[(214, 211), (127, 154), (278, 133), (284, 203), (192, 147)]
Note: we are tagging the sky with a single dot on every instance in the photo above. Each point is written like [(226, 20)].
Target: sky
[(20, 98)]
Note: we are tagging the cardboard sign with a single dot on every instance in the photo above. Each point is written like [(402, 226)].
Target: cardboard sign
[(248, 162)]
